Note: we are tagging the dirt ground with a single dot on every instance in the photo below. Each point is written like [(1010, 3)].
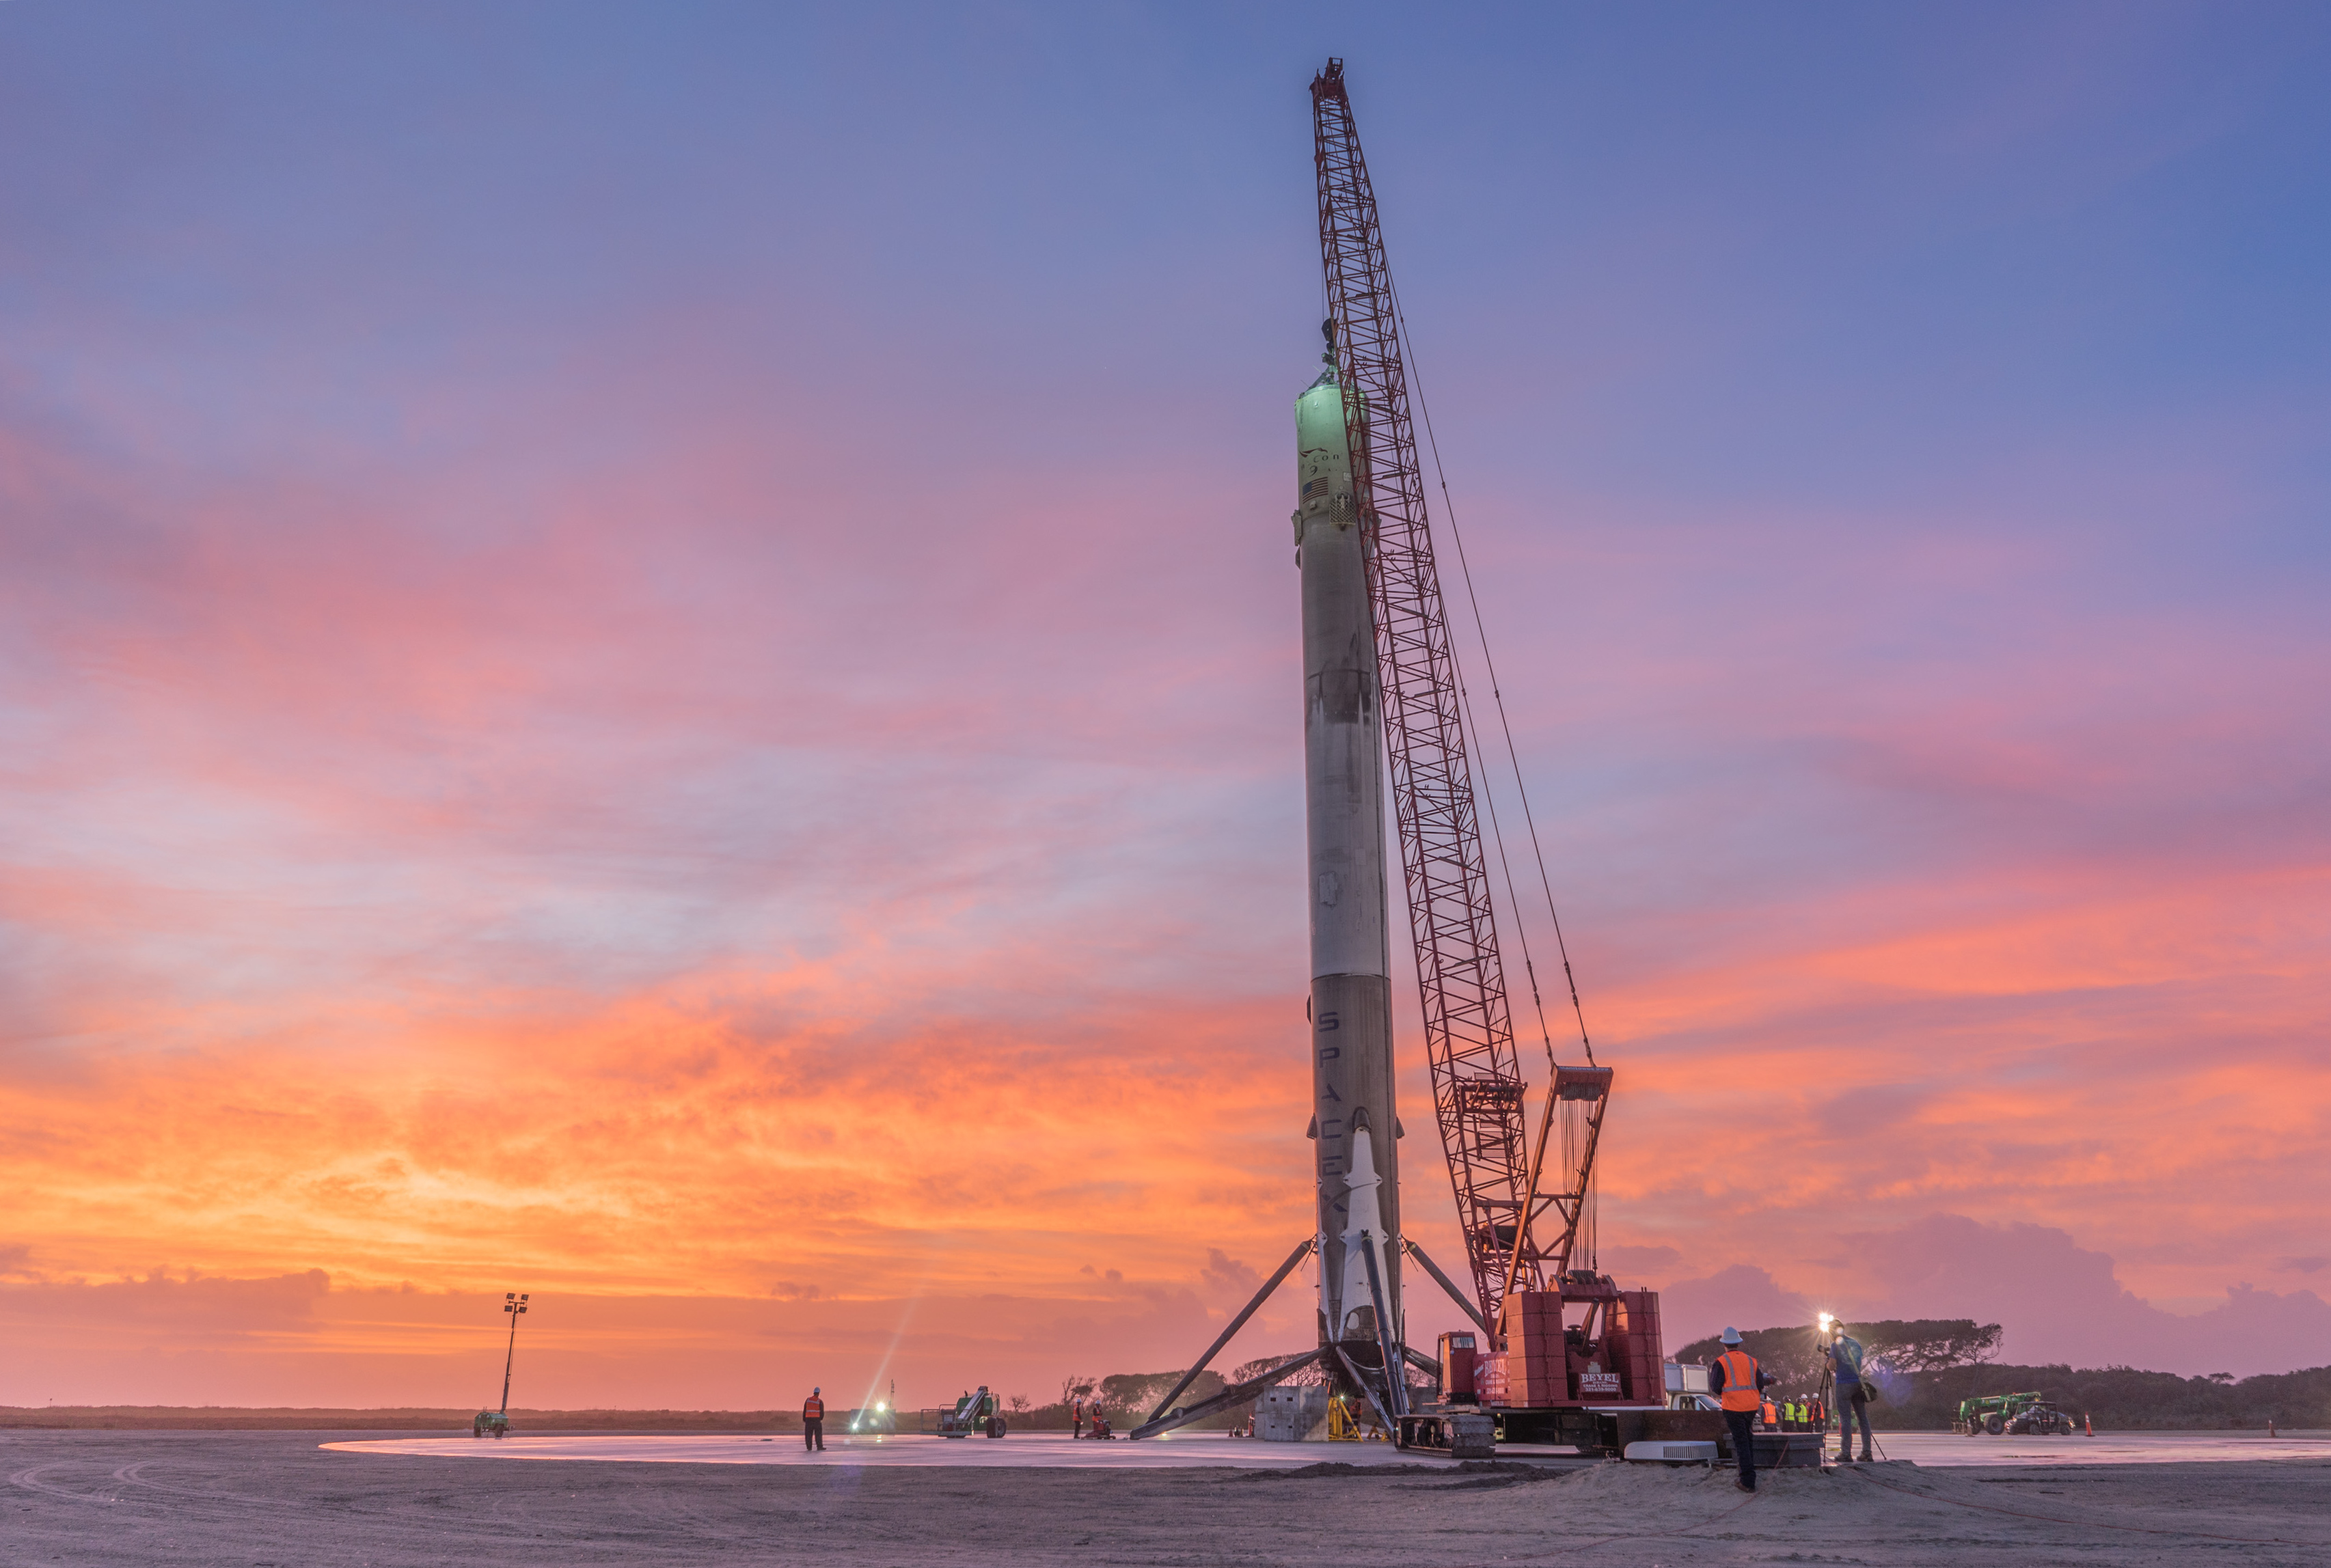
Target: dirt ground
[(277, 1500)]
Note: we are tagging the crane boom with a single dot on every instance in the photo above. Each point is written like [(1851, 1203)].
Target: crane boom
[(1477, 1083)]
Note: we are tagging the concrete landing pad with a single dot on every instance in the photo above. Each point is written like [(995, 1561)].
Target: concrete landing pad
[(1054, 1450), (1021, 1450)]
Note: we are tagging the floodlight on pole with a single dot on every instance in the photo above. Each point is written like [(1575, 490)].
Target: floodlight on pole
[(513, 1303)]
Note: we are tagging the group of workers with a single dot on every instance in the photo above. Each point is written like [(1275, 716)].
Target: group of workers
[(1739, 1383), (1796, 1415)]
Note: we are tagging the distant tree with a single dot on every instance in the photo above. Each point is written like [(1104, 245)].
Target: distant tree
[(1017, 1404), (1309, 1376), (1927, 1344), (1792, 1355), (1133, 1392), (1077, 1385)]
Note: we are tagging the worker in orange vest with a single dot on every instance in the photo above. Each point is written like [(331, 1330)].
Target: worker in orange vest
[(1076, 1418), (813, 1421), (1738, 1385)]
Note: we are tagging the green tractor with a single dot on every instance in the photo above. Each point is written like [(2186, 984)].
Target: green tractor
[(490, 1423), (2021, 1414), (973, 1413)]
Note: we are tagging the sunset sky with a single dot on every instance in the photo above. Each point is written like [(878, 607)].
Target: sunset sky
[(649, 654)]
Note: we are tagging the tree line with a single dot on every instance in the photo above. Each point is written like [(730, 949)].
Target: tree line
[(1923, 1368)]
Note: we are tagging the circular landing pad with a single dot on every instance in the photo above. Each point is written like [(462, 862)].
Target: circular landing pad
[(1054, 1450), (1021, 1450)]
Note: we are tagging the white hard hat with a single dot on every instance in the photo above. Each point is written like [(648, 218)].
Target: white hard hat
[(1731, 1335)]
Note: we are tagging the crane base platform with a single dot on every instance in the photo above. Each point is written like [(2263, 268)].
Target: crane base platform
[(1781, 1450), (1475, 1432), (1459, 1434)]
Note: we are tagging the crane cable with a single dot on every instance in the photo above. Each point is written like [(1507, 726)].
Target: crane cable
[(1465, 717), (1480, 631), (1471, 729), (1589, 1213)]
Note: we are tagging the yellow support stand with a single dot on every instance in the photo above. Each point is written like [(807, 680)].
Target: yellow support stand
[(1342, 1428)]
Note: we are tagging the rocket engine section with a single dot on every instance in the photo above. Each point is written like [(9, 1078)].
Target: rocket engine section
[(1353, 1120)]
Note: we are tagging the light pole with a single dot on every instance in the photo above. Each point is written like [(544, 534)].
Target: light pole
[(516, 1306)]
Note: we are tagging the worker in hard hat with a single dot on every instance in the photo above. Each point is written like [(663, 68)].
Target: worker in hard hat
[(813, 1421), (1738, 1385), (1852, 1394)]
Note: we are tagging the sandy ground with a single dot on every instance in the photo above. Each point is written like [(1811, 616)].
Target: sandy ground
[(279, 1499)]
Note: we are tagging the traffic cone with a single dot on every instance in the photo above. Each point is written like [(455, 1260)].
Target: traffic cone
[(2091, 1420)]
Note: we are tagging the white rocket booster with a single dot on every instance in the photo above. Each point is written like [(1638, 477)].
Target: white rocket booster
[(1357, 1158)]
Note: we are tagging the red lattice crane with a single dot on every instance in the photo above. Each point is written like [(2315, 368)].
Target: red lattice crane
[(1478, 1088), (1477, 1082)]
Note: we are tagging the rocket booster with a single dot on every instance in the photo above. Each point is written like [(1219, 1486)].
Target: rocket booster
[(1357, 1156)]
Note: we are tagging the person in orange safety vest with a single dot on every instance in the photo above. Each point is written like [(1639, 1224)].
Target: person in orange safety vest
[(813, 1421), (1738, 1385)]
